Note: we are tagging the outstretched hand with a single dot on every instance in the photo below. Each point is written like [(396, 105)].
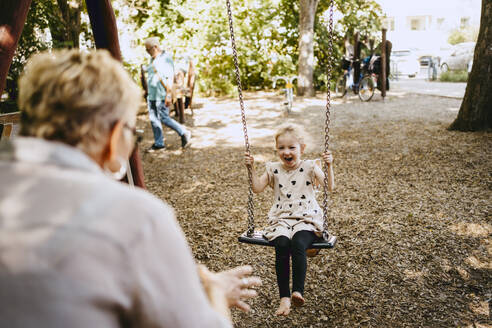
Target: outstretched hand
[(236, 284), (327, 157)]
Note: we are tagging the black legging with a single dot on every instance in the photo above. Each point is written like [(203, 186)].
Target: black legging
[(284, 247)]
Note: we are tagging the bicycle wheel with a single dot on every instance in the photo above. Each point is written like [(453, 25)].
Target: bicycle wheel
[(366, 88), (341, 86)]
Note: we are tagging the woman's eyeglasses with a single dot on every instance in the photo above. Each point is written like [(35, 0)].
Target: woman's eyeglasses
[(134, 131)]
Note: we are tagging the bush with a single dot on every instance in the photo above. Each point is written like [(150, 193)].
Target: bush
[(454, 76), (468, 34)]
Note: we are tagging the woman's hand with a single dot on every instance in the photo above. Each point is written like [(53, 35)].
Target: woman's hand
[(235, 284), (328, 158), (248, 160)]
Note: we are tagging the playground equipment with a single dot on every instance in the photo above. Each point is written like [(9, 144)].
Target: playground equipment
[(12, 19), (289, 90), (250, 236)]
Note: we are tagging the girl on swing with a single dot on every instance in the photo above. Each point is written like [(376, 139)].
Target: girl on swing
[(295, 219)]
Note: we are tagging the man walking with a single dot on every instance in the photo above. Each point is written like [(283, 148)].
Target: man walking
[(160, 73)]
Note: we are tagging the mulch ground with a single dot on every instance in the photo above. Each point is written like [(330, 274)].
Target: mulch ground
[(412, 208)]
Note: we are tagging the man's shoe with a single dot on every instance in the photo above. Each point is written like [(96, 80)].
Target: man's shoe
[(155, 148), (185, 139)]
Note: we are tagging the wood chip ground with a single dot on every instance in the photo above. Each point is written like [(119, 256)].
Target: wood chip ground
[(412, 208)]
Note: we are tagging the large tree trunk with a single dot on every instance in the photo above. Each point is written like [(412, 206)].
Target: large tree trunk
[(65, 25), (69, 31), (307, 11), (476, 109), (12, 18)]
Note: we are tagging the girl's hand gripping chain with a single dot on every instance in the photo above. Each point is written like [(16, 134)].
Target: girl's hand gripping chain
[(249, 160), (258, 183), (320, 176), (328, 158)]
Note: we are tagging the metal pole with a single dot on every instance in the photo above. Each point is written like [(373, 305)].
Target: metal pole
[(103, 22), (356, 58), (383, 65), (12, 19)]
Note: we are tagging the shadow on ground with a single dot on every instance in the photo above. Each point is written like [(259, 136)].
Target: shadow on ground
[(411, 210)]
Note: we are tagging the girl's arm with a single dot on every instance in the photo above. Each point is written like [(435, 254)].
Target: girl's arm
[(259, 183), (320, 176)]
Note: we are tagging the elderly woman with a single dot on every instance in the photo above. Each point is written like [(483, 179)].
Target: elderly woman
[(77, 248)]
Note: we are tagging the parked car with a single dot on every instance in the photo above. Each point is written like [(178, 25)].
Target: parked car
[(404, 62), (460, 57), (425, 60)]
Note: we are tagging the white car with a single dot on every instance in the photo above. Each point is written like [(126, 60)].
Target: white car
[(460, 57), (404, 62)]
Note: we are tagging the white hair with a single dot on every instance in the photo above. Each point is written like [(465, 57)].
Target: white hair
[(152, 42), (75, 97)]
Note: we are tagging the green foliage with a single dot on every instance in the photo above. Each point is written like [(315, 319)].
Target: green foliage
[(45, 28), (469, 34), (454, 76), (266, 34), (30, 42)]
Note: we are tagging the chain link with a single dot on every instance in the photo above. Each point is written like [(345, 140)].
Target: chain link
[(251, 218), (326, 234)]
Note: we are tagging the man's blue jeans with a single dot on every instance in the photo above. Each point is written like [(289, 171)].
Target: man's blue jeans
[(158, 112)]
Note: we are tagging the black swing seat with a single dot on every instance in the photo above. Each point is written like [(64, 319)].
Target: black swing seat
[(258, 239)]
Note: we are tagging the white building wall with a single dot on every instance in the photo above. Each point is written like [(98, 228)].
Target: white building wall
[(439, 18)]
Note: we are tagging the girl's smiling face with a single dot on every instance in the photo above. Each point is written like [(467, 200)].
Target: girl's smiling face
[(289, 150)]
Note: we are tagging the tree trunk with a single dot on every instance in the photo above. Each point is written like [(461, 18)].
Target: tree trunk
[(476, 109), (12, 18), (70, 14), (65, 29), (103, 23), (307, 11)]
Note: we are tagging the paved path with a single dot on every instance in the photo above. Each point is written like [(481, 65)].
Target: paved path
[(421, 86)]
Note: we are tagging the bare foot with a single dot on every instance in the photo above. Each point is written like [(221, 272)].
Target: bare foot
[(297, 299), (284, 307)]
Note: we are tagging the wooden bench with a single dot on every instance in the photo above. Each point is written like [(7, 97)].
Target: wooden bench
[(9, 125)]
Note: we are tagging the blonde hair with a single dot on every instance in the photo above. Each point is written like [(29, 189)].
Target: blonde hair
[(292, 130), (75, 98)]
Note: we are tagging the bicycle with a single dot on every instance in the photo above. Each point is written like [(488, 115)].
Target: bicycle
[(364, 88), (289, 92)]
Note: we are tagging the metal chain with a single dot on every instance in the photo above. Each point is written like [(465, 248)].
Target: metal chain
[(251, 218), (250, 205), (326, 234)]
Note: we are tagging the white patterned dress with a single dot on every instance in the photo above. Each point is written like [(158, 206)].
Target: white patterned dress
[(295, 207)]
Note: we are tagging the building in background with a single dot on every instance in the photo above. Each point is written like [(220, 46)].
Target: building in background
[(425, 25)]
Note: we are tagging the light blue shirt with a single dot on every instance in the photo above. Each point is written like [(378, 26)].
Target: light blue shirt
[(165, 71)]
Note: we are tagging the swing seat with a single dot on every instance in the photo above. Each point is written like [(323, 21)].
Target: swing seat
[(258, 239)]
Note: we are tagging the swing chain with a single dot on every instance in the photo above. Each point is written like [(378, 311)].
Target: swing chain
[(326, 234), (250, 206)]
